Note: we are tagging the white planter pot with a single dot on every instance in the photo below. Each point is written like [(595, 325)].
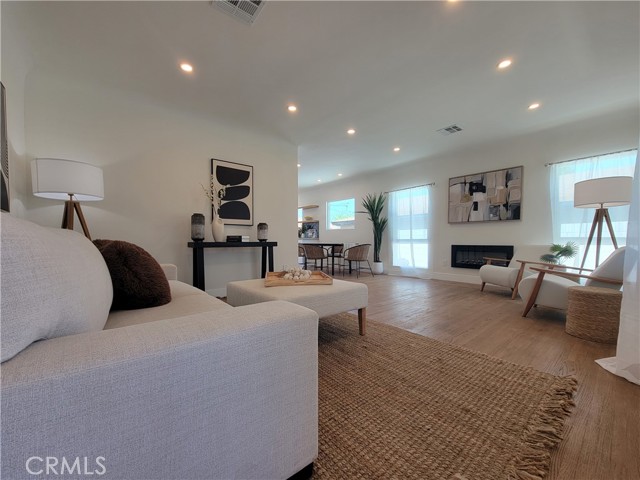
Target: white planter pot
[(217, 230), (377, 267)]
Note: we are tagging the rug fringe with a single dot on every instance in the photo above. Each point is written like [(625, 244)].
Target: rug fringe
[(544, 432)]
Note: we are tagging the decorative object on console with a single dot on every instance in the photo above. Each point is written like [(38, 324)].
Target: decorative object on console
[(263, 232), (215, 195), (601, 193), (235, 196), (4, 149), (138, 279), (68, 180), (374, 204), (197, 227), (234, 238), (217, 229), (489, 196)]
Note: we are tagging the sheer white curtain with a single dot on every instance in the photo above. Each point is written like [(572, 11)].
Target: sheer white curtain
[(626, 363), (408, 226), (573, 224)]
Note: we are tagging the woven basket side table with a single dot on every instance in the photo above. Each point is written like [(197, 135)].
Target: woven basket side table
[(594, 313)]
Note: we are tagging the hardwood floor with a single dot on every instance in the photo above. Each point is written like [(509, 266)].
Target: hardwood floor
[(602, 436)]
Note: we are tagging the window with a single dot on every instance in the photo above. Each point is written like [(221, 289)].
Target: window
[(573, 224), (408, 220), (300, 215), (341, 214)]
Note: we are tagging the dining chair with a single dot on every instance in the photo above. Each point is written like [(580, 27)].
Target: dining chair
[(302, 259), (358, 254), (315, 253), (335, 253)]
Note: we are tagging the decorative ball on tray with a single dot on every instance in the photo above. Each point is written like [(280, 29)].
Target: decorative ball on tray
[(297, 274)]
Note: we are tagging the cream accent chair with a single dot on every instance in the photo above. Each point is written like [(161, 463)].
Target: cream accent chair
[(509, 276), (550, 287)]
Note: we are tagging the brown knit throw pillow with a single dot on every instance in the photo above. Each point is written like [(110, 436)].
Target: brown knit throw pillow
[(138, 279)]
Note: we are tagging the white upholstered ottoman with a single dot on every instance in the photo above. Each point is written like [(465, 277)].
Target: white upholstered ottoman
[(325, 300)]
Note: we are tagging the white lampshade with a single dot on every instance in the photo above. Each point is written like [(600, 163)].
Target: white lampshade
[(57, 179), (603, 192)]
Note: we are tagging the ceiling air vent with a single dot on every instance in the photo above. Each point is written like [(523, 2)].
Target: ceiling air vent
[(244, 10), (449, 130)]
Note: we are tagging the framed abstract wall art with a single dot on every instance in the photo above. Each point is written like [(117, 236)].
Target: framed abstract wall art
[(492, 196), (236, 205)]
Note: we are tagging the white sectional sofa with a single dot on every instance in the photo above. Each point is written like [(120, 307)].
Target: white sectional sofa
[(194, 389)]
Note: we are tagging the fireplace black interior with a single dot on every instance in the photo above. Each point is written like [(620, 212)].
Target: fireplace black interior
[(471, 256)]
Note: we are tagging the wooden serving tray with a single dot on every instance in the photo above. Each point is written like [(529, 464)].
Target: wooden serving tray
[(275, 279)]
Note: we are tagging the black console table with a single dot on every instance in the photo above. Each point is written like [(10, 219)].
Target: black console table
[(198, 256)]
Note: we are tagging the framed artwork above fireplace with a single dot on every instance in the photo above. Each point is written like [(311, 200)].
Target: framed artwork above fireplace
[(492, 196)]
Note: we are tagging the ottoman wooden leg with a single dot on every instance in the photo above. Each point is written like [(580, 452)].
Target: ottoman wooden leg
[(362, 320)]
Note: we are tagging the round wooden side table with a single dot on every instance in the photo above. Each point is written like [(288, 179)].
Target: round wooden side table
[(593, 313)]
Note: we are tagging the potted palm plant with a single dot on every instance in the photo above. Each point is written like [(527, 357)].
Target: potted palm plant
[(374, 204), (558, 252)]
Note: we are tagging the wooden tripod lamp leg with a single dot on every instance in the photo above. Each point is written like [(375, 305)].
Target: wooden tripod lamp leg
[(594, 224), (83, 222), (613, 235), (67, 216), (71, 207)]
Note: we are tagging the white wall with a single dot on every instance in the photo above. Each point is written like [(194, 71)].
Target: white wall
[(615, 131), (154, 160)]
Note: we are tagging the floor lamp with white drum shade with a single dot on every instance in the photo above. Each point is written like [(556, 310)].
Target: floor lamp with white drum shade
[(601, 193), (70, 181)]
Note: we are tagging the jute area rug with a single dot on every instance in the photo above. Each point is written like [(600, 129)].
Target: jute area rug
[(396, 405)]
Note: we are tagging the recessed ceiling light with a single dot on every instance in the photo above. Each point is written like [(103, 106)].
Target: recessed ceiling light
[(396, 149), (505, 63), (533, 106), (339, 174), (185, 67), (351, 131), (292, 108), (299, 165), (319, 180)]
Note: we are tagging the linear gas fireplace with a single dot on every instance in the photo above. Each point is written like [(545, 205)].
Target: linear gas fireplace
[(471, 256)]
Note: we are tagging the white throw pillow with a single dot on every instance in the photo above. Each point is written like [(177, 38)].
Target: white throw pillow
[(54, 283), (612, 268)]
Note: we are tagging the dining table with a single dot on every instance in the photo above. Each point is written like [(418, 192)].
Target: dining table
[(324, 245)]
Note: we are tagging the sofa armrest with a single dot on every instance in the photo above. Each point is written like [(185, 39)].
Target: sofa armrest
[(224, 394), (170, 270)]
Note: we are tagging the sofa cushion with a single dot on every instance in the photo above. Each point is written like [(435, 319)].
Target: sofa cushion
[(185, 300), (54, 283), (138, 279)]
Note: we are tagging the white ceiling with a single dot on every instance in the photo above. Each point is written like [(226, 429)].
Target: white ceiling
[(394, 71)]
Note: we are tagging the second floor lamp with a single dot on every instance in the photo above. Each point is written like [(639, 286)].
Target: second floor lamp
[(70, 181)]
